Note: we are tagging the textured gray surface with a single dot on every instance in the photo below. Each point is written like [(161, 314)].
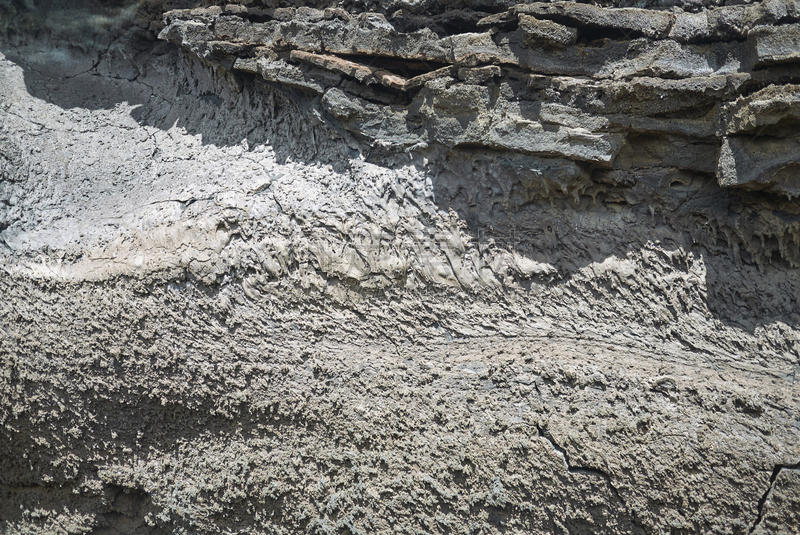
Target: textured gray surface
[(255, 286)]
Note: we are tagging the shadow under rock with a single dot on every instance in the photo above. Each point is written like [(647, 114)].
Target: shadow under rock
[(101, 69), (509, 204)]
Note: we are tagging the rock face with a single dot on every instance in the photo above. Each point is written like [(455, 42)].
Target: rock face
[(408, 267)]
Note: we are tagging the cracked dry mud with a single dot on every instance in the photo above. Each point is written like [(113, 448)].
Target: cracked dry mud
[(408, 267)]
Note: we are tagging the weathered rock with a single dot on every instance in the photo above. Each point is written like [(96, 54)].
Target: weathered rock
[(629, 22), (770, 109), (399, 267), (479, 75), (758, 163), (546, 32), (712, 71), (761, 150), (775, 45)]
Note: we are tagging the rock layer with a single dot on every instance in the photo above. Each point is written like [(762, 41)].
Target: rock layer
[(535, 79), (414, 267)]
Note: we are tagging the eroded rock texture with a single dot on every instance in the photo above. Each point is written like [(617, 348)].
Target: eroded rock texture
[(408, 267)]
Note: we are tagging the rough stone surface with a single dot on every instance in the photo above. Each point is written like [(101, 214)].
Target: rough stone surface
[(407, 267)]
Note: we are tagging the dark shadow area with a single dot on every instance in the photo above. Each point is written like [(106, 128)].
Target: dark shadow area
[(746, 240), (147, 80), (95, 57)]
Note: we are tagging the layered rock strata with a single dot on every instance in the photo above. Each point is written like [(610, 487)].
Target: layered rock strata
[(410, 267)]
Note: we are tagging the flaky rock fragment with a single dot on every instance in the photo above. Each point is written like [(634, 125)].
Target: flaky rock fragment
[(478, 75), (775, 45), (772, 108), (762, 148), (631, 22), (546, 32), (761, 163)]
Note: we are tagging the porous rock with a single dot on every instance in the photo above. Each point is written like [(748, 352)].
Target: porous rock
[(399, 267)]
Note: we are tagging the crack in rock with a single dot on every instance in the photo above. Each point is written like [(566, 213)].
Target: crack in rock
[(763, 501), (586, 470)]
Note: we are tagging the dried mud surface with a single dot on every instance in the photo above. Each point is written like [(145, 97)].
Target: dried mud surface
[(424, 267)]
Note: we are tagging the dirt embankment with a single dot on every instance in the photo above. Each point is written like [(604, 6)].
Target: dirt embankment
[(419, 267)]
